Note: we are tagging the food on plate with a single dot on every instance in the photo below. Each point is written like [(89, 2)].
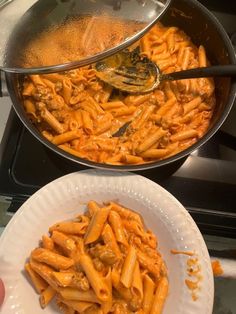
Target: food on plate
[(77, 112), (103, 261)]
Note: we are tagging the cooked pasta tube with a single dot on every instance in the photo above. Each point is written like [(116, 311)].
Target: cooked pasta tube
[(171, 43), (96, 225), (78, 306), (148, 293), (156, 153), (63, 279), (123, 111), (153, 139), (95, 279), (30, 108), (192, 105), (44, 271), (105, 126), (136, 100), (128, 267), (202, 56), (160, 296), (67, 90), (107, 305), (126, 213), (47, 243), (66, 137), (39, 283), (53, 259), (70, 227), (164, 108), (137, 284), (93, 207), (65, 242), (28, 89), (115, 276), (124, 292), (77, 295), (110, 240), (183, 135), (131, 159), (46, 296), (153, 265), (144, 116), (112, 105), (117, 227), (52, 121), (169, 93), (87, 122), (72, 151)]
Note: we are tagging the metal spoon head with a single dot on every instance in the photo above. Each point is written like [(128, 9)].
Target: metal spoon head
[(129, 71)]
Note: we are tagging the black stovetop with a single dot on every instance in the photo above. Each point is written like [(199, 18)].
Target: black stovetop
[(205, 182)]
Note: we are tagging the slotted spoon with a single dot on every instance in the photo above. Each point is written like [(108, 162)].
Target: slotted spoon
[(132, 73)]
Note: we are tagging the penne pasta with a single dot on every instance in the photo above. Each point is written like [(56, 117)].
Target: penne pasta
[(96, 225), (65, 242), (70, 227), (137, 284), (77, 295), (46, 296), (39, 283), (52, 121), (160, 296), (117, 227), (76, 111), (65, 137), (47, 243), (128, 269), (149, 142), (148, 293), (110, 240), (52, 259), (98, 285), (114, 267)]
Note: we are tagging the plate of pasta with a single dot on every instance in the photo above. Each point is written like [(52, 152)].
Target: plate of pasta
[(103, 242)]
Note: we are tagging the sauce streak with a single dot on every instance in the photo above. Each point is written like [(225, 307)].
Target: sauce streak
[(193, 272)]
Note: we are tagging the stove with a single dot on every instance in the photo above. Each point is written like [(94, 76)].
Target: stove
[(205, 182)]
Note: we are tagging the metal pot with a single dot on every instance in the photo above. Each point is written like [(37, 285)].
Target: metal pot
[(203, 28)]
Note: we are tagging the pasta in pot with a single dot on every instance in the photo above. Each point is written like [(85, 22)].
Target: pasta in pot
[(79, 113), (93, 265)]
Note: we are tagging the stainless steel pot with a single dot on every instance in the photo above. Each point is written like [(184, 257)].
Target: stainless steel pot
[(203, 28)]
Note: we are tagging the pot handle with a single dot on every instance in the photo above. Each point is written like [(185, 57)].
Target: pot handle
[(3, 85)]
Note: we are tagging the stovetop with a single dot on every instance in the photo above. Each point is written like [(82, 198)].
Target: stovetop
[(205, 182)]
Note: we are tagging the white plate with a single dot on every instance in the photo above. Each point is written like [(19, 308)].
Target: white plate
[(66, 196)]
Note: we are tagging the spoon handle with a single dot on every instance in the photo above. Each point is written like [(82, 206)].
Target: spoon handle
[(212, 71)]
